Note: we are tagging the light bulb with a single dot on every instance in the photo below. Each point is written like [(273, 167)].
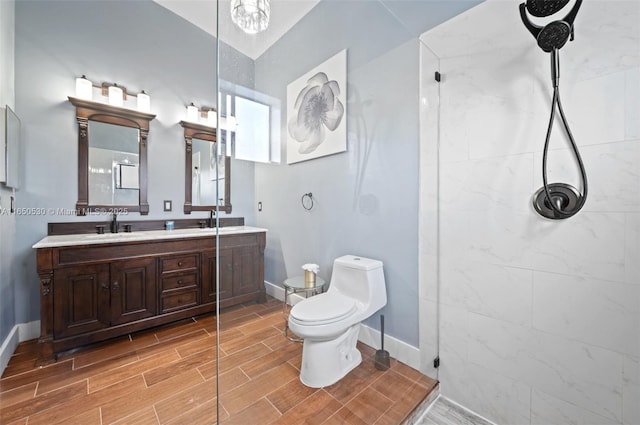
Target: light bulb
[(144, 102), (212, 118), (115, 96), (192, 113), (84, 88)]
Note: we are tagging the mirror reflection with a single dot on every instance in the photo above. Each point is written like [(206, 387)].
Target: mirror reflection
[(207, 172), (114, 164)]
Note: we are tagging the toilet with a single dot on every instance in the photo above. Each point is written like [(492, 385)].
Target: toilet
[(329, 322)]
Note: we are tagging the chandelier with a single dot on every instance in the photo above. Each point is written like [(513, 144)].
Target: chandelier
[(251, 16)]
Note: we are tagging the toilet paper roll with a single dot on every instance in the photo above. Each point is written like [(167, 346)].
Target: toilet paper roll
[(311, 267)]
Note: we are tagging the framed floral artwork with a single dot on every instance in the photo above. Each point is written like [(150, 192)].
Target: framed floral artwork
[(317, 111)]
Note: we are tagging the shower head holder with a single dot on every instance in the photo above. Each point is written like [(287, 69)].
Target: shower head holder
[(555, 34), (566, 199)]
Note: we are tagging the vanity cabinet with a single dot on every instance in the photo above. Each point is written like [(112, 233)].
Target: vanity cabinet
[(92, 292)]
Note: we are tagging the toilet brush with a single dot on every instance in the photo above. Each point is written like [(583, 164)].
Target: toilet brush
[(382, 360)]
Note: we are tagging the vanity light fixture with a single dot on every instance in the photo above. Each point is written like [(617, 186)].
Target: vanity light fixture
[(115, 95), (251, 16), (204, 116)]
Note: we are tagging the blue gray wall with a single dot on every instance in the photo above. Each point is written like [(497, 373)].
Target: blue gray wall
[(137, 44), (366, 200)]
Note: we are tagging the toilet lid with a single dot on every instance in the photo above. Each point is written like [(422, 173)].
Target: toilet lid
[(322, 309)]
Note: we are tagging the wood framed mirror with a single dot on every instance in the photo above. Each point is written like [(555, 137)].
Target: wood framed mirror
[(112, 158), (207, 170)]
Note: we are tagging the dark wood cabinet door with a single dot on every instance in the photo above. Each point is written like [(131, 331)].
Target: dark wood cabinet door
[(209, 269), (245, 270), (81, 300), (133, 290)]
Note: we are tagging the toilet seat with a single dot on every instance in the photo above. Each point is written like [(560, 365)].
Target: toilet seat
[(323, 309)]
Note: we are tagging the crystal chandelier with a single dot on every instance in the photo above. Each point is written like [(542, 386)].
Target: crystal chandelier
[(251, 16)]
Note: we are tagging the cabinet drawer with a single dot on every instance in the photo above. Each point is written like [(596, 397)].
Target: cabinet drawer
[(179, 300), (183, 262), (182, 281)]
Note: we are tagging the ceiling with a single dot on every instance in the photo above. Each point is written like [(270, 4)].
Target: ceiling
[(415, 16), (202, 13)]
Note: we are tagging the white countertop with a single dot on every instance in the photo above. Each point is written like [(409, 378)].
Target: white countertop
[(147, 235)]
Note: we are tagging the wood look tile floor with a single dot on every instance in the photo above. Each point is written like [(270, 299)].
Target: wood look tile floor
[(167, 375)]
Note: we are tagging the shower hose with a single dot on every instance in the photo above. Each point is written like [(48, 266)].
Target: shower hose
[(555, 204)]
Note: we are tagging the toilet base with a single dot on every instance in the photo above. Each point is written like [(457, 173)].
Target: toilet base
[(326, 362)]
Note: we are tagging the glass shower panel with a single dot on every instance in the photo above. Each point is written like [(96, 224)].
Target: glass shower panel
[(429, 213), (337, 98)]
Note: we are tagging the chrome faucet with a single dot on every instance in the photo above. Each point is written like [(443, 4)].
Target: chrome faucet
[(114, 223)]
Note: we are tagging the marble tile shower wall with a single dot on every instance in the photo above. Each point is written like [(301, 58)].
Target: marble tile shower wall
[(539, 319)]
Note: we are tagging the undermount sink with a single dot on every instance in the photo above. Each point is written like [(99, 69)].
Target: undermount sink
[(230, 228), (91, 236)]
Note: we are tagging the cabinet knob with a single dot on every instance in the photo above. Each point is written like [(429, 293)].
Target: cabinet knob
[(105, 287), (180, 263), (116, 285), (180, 282)]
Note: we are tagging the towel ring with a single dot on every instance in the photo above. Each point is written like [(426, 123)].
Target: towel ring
[(309, 204)]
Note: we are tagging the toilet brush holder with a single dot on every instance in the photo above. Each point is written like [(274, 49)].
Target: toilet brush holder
[(309, 279), (382, 359)]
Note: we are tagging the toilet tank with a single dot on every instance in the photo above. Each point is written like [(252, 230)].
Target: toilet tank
[(360, 278)]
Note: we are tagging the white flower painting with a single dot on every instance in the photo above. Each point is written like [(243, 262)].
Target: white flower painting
[(317, 111)]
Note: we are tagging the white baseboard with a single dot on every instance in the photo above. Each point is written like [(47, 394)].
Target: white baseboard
[(29, 330), (8, 347), (399, 350), (20, 332), (277, 292)]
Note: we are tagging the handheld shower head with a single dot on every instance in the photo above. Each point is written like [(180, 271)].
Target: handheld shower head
[(542, 8), (555, 34)]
